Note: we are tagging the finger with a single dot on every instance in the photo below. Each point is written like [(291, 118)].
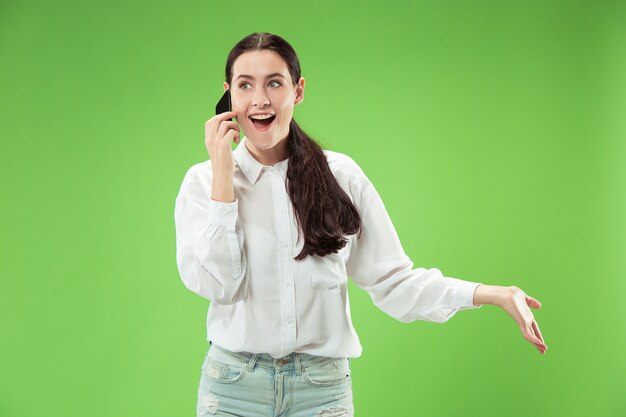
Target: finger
[(532, 302), (220, 117), (224, 116), (216, 121), (537, 331), (528, 333), (537, 342), (531, 336), (225, 128), (534, 338), (235, 134)]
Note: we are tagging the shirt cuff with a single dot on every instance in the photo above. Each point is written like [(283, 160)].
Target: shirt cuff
[(463, 294), (223, 213)]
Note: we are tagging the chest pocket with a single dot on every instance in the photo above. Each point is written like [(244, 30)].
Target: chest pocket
[(328, 272)]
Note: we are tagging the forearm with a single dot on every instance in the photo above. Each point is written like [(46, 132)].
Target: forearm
[(490, 294), (222, 188)]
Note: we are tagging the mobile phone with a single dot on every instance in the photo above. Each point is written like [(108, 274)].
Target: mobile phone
[(224, 104)]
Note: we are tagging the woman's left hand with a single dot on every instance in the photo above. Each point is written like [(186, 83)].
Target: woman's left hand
[(518, 304)]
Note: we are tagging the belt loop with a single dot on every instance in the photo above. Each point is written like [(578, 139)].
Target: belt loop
[(297, 363), (252, 362)]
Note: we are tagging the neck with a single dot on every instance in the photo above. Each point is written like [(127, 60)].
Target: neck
[(269, 156)]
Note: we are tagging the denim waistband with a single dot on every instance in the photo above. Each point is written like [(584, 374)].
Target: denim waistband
[(295, 360)]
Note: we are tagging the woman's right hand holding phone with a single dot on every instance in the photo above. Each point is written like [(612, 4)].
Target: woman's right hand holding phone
[(218, 132)]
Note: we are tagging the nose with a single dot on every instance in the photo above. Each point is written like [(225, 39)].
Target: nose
[(259, 99)]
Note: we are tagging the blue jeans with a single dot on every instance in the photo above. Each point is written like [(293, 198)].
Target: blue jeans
[(255, 384)]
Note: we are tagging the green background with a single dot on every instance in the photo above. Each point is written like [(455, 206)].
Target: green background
[(494, 131)]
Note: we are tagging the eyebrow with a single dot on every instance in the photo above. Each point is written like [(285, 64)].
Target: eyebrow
[(275, 74)]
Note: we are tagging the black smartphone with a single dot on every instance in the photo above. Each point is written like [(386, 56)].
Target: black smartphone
[(224, 104)]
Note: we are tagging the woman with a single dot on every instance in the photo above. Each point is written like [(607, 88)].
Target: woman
[(269, 234)]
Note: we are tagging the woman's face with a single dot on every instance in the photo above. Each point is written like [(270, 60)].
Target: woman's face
[(261, 83)]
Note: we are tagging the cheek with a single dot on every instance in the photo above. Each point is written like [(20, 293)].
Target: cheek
[(285, 117), (286, 111), (239, 106), (239, 100)]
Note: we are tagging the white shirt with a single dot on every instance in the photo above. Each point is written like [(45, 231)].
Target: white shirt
[(239, 255)]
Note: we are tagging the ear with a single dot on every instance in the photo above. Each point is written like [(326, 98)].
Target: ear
[(299, 91), (226, 86)]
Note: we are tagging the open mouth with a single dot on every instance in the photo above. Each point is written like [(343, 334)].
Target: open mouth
[(263, 124)]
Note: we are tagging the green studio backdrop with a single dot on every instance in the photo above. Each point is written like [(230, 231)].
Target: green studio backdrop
[(494, 132)]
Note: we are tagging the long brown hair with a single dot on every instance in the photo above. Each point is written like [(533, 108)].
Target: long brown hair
[(323, 210)]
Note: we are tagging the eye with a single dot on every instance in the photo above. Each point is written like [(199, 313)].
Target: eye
[(273, 81)]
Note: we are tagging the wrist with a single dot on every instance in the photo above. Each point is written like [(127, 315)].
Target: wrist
[(490, 294)]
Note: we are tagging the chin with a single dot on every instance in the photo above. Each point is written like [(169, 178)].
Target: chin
[(259, 142), (263, 142)]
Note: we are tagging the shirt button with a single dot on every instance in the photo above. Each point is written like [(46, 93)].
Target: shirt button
[(285, 244), (287, 284), (290, 321)]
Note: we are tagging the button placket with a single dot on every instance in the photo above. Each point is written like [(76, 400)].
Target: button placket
[(288, 302)]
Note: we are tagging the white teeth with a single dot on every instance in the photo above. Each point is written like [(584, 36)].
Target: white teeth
[(261, 116)]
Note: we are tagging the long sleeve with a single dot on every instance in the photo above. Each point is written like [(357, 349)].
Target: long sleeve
[(209, 244), (379, 265)]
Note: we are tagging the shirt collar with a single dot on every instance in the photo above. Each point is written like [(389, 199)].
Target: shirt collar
[(250, 167)]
